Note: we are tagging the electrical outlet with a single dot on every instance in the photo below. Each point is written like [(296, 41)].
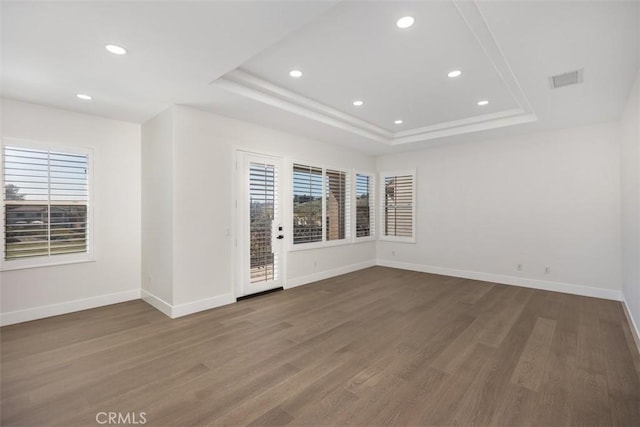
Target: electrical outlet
[(547, 270), (519, 267), (393, 253)]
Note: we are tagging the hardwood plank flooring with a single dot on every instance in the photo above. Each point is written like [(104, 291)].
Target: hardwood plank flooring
[(379, 346), (530, 367)]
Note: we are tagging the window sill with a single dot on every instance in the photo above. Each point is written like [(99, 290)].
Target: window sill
[(320, 245), (411, 240), (45, 262), (364, 239)]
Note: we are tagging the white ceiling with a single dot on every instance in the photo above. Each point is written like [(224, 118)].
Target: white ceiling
[(233, 58), (397, 73), (53, 50)]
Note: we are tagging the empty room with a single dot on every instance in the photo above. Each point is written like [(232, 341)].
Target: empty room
[(320, 213)]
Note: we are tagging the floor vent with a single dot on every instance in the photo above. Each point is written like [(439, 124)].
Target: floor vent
[(566, 79)]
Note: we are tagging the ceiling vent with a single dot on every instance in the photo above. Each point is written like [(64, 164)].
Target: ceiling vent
[(566, 79)]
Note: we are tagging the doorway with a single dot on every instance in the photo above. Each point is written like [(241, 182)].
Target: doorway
[(261, 228)]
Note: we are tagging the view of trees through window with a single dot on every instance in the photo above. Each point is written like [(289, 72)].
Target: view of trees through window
[(307, 204), (309, 184), (45, 202), (262, 212)]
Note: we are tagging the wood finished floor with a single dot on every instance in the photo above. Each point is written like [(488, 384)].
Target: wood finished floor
[(375, 347)]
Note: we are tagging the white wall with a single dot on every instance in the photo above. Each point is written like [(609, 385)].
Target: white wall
[(630, 184), (545, 199), (115, 275), (204, 144), (157, 206)]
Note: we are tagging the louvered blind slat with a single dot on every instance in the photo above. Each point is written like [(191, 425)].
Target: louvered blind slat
[(398, 205), (337, 205), (46, 195), (262, 212), (309, 185), (307, 204), (364, 206)]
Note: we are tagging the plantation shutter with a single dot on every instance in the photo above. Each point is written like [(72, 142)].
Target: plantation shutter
[(307, 204), (46, 196), (337, 205), (398, 205), (263, 210), (365, 213)]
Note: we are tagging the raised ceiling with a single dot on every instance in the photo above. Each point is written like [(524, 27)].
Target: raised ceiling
[(234, 58), (356, 52)]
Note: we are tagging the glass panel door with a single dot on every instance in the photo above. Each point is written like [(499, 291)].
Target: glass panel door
[(263, 233)]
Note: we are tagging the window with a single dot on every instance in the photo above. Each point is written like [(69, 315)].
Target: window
[(336, 202), (307, 204), (46, 205), (398, 206), (365, 212), (263, 209), (321, 202)]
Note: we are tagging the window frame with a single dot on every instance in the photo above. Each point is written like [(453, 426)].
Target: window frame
[(59, 259), (346, 215), (324, 243), (290, 208), (383, 175), (373, 223)]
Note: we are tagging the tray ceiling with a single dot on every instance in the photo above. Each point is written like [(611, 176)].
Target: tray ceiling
[(234, 59)]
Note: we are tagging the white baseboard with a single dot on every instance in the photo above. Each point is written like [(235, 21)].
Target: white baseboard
[(201, 305), (321, 275), (180, 310), (567, 288), (635, 331), (18, 316), (156, 302)]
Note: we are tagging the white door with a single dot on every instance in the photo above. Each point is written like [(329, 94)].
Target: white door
[(261, 228)]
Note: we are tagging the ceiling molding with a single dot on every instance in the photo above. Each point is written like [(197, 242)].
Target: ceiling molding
[(247, 79), (459, 123), (468, 128), (478, 26), (250, 86)]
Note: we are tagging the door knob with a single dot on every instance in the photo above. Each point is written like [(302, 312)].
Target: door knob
[(280, 237)]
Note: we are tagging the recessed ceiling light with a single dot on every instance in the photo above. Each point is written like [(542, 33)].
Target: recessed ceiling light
[(117, 50), (358, 103), (405, 22), (295, 73), (483, 102), (84, 97), (454, 73), (398, 122)]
